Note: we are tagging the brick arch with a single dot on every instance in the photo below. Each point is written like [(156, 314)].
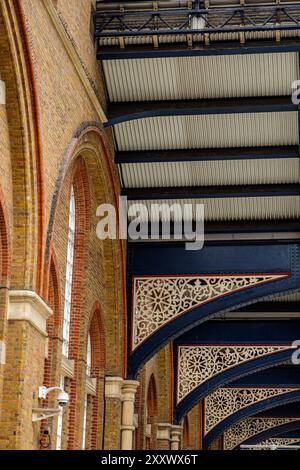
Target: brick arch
[(97, 331), (22, 109), (52, 367), (152, 412), (5, 244), (80, 182), (97, 335), (89, 143)]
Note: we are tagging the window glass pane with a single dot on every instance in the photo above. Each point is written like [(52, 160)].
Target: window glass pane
[(89, 356), (60, 420), (84, 421), (69, 275)]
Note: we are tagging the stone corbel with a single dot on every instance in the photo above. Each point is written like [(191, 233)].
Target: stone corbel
[(25, 305)]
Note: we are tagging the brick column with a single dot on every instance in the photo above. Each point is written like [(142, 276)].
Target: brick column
[(24, 372), (113, 413), (128, 395), (176, 433), (163, 436)]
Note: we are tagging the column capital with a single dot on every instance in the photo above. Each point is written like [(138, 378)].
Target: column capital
[(164, 431), (26, 305), (113, 387), (176, 431), (129, 389)]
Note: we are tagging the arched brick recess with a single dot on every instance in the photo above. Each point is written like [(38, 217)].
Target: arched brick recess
[(53, 359), (185, 433), (97, 335), (24, 181), (5, 256), (90, 144), (151, 441), (79, 181)]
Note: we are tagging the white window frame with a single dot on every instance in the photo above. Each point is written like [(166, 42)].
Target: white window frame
[(89, 356), (85, 407), (69, 274), (60, 420)]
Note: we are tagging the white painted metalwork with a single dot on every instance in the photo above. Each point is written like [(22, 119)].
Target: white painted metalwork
[(226, 401), (198, 364), (249, 427), (159, 300)]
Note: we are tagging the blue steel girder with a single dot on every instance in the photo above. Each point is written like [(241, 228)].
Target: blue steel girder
[(154, 260), (211, 20), (231, 334), (128, 111)]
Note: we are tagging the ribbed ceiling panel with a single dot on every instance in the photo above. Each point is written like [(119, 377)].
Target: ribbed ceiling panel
[(227, 209), (270, 171), (233, 130), (201, 77), (288, 298)]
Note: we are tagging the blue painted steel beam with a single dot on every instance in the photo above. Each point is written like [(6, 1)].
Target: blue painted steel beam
[(287, 375), (129, 111), (192, 155), (290, 434), (147, 260), (266, 46), (212, 192), (255, 332), (288, 411)]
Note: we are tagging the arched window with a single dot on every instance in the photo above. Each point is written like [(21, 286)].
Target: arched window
[(60, 420), (151, 424), (89, 356), (69, 274)]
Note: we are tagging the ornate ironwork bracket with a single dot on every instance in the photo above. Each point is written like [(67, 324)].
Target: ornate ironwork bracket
[(159, 300), (249, 427), (197, 364), (224, 402)]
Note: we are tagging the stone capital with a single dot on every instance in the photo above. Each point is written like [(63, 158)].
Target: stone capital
[(129, 389), (25, 305), (164, 431), (176, 432)]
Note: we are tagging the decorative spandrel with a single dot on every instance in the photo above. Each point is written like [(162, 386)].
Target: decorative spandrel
[(280, 441), (224, 402), (250, 427), (159, 300), (198, 364)]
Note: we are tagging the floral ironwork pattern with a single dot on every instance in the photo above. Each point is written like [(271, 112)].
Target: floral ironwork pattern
[(249, 427), (224, 402), (198, 364), (158, 300), (280, 441)]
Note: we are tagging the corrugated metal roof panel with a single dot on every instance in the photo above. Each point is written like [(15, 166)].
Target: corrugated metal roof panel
[(244, 208), (270, 171), (288, 298), (201, 77), (231, 130)]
